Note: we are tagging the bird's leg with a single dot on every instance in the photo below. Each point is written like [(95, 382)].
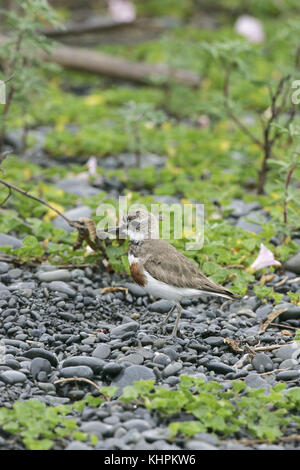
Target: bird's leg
[(179, 308), (163, 324)]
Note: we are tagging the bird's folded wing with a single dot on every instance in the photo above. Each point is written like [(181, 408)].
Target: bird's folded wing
[(166, 264)]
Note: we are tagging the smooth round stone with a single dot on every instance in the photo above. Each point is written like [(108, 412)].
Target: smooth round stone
[(288, 363), (138, 424), (112, 369), (123, 330), (9, 240), (78, 371), (39, 364), (92, 362), (288, 351), (97, 428), (214, 341), (288, 375), (161, 306), (15, 273), (4, 267), (12, 377), (39, 352), (130, 375), (134, 358), (293, 264), (55, 275), (262, 363), (172, 369), (219, 367), (161, 358), (253, 380), (76, 445), (61, 286), (102, 351)]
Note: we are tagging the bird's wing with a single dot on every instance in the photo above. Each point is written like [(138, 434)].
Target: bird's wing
[(166, 264)]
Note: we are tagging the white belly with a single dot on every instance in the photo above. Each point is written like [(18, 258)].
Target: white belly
[(164, 291)]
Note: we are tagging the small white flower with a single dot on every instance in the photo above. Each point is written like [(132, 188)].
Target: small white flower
[(122, 10), (264, 259), (251, 28), (92, 166)]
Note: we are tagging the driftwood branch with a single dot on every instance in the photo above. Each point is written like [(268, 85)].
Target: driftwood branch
[(91, 25), (116, 67)]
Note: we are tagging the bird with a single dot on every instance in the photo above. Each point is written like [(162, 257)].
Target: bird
[(162, 270)]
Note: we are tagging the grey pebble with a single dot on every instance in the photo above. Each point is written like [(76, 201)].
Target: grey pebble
[(262, 363), (102, 351), (253, 380), (293, 264), (97, 428), (214, 341), (288, 375), (130, 375), (72, 214), (76, 371), (138, 424), (39, 352), (76, 445), (172, 369), (219, 367), (161, 306), (92, 362), (39, 364), (288, 351), (124, 329), (55, 275), (12, 377), (61, 286)]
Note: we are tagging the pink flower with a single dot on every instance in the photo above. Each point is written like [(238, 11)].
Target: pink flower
[(122, 10), (251, 28), (264, 259)]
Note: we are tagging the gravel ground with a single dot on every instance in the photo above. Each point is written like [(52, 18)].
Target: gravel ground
[(56, 324)]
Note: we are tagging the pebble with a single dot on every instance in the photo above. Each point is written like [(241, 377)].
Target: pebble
[(61, 286), (253, 380), (55, 275), (97, 428), (134, 358), (288, 375), (130, 375), (161, 306), (12, 377), (72, 214), (288, 351), (214, 341), (4, 267), (43, 353), (123, 330), (219, 367), (172, 369), (138, 424), (9, 240), (262, 363), (78, 371), (102, 351), (93, 363), (293, 264), (39, 364)]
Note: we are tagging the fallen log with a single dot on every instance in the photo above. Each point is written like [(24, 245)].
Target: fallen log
[(91, 25), (116, 67)]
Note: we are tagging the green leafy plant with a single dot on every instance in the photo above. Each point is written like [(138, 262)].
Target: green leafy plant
[(135, 116), (20, 64), (225, 413)]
